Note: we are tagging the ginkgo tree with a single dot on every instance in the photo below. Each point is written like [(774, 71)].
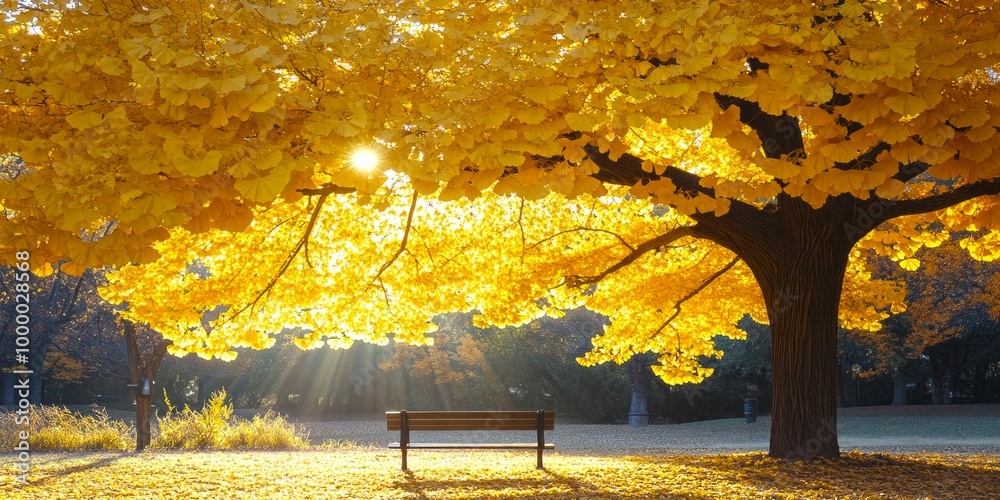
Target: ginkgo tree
[(787, 133)]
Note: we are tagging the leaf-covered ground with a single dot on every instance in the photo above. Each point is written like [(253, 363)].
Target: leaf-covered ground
[(371, 473)]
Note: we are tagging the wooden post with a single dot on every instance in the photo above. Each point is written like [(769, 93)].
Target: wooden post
[(541, 437)]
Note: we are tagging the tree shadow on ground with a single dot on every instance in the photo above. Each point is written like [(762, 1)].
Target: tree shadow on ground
[(88, 462), (854, 474), (557, 484)]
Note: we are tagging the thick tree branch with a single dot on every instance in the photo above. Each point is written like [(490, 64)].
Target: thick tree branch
[(643, 249), (779, 135), (627, 171), (943, 200)]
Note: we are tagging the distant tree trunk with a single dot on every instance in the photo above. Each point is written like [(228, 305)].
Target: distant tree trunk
[(142, 366), (899, 386), (941, 387), (640, 379), (847, 395), (444, 390), (36, 363)]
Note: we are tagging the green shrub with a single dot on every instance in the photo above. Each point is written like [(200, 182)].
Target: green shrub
[(58, 428), (215, 427)]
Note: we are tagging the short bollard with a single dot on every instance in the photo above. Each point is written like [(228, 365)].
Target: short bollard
[(750, 410)]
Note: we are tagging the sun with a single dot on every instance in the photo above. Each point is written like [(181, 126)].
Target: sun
[(365, 160)]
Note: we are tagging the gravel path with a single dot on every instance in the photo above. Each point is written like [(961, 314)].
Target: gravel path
[(942, 429)]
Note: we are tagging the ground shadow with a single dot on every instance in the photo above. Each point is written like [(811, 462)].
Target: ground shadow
[(93, 461), (427, 487), (854, 474)]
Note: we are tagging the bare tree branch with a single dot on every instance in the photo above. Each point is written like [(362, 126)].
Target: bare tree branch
[(402, 244), (690, 295), (303, 242), (582, 228), (327, 189), (659, 241)]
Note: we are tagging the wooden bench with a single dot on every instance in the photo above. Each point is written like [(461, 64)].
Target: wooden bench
[(407, 421)]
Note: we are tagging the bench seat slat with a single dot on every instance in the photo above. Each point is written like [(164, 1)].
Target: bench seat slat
[(473, 446), (469, 420), (462, 428), (423, 426), (478, 418), (463, 414)]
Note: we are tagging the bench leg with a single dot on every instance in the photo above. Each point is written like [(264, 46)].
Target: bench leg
[(404, 434), (541, 437)]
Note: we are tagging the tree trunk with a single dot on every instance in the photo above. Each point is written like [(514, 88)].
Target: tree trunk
[(640, 378), (36, 363), (142, 367), (143, 435), (446, 400), (847, 389), (941, 387), (802, 279), (899, 387)]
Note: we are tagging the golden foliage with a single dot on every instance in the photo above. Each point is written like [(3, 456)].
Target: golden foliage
[(944, 292), (135, 123), (157, 118), (507, 259), (352, 473), (454, 357)]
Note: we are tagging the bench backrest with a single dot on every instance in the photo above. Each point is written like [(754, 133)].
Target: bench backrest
[(470, 420)]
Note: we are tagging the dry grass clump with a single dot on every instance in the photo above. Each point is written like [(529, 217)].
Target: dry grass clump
[(58, 428), (215, 427)]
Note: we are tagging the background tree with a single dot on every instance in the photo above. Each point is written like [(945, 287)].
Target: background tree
[(64, 308), (947, 299), (455, 358), (787, 133)]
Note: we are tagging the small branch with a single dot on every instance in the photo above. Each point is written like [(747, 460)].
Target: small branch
[(911, 171), (581, 228), (327, 189), (659, 241), (943, 200), (692, 293), (402, 244), (303, 241)]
